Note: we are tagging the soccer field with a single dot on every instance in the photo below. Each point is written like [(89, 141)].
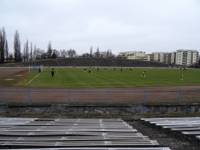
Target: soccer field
[(111, 77)]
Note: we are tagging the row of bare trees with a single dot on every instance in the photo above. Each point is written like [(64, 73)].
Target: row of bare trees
[(29, 52)]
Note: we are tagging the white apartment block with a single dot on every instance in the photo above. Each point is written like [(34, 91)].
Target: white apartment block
[(173, 58), (134, 55), (195, 57), (156, 57), (161, 57), (180, 57), (149, 57), (186, 57)]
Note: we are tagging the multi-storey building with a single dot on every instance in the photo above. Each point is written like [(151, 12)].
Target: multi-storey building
[(149, 57), (161, 57), (180, 57), (134, 55), (195, 57), (186, 57), (156, 57), (173, 58)]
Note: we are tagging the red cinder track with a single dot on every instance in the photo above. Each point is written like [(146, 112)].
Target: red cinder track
[(154, 95)]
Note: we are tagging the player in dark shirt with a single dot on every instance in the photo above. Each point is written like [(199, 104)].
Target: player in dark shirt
[(52, 72)]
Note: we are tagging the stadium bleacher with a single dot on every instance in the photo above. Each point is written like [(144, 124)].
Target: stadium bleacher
[(188, 127), (76, 134)]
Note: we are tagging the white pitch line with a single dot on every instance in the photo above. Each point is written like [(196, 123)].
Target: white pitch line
[(29, 82), (8, 79)]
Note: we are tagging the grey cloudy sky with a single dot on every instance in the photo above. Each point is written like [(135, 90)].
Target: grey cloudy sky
[(120, 25)]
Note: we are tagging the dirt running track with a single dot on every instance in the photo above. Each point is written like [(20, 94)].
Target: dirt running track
[(166, 95)]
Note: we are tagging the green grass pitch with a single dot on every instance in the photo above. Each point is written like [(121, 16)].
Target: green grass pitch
[(112, 78)]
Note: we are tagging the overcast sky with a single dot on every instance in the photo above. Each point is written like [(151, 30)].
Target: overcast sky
[(120, 25)]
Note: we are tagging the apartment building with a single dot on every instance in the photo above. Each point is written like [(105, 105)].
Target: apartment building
[(161, 57), (134, 55), (186, 57), (180, 57), (173, 58)]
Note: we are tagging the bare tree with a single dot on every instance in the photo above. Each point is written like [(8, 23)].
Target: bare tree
[(109, 54), (71, 53), (34, 52), (63, 53), (17, 47), (31, 53), (39, 54), (97, 53), (91, 51)]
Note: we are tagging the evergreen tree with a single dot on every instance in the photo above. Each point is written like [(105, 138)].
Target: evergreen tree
[(2, 45), (17, 47), (49, 50), (6, 50), (26, 52)]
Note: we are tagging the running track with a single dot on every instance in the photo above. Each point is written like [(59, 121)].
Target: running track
[(178, 95)]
